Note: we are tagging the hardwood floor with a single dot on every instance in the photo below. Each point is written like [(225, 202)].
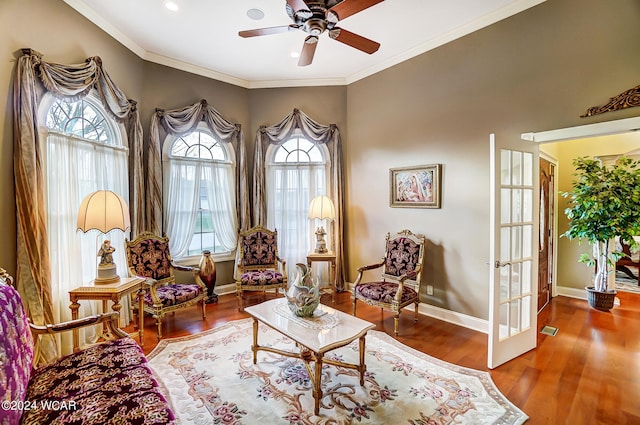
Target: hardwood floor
[(589, 373)]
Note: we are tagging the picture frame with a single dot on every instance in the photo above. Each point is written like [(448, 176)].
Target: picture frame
[(415, 187)]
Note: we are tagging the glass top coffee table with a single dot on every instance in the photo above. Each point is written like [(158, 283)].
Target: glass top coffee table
[(327, 330)]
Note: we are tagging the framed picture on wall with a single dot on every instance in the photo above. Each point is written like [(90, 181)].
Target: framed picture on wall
[(415, 187)]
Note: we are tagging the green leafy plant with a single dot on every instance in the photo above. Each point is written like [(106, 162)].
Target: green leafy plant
[(604, 203)]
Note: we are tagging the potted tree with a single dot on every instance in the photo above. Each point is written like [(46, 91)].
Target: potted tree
[(604, 204)]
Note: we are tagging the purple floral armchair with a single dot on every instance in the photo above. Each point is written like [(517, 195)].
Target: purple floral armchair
[(399, 285), (148, 257), (107, 382), (259, 268)]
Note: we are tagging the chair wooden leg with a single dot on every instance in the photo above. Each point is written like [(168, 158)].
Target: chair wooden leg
[(355, 300), (159, 324), (396, 323), (239, 295), (415, 314)]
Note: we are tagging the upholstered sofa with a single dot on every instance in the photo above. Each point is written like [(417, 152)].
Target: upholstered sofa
[(107, 383)]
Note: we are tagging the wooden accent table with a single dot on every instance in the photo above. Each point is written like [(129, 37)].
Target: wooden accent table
[(329, 257), (314, 337), (109, 292)]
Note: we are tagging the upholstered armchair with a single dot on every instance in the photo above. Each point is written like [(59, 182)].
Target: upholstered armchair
[(399, 284), (259, 267), (148, 257)]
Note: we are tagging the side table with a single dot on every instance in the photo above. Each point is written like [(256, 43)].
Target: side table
[(109, 292), (329, 257)]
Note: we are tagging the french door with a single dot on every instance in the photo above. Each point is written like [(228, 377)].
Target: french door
[(513, 250)]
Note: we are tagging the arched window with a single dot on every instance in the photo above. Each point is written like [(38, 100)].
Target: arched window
[(296, 172), (84, 151), (200, 199)]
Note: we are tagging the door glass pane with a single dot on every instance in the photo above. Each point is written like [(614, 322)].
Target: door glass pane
[(514, 319), (516, 168), (527, 205), (505, 206), (526, 277), (516, 195), (504, 321), (527, 234), (516, 276), (505, 244), (505, 167), (516, 242), (528, 169), (505, 273)]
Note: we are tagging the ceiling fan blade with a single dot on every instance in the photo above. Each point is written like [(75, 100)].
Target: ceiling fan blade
[(346, 8), (297, 5), (354, 40), (267, 31), (308, 50)]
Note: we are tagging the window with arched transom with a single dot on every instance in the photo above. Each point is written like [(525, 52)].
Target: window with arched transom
[(296, 172), (199, 194)]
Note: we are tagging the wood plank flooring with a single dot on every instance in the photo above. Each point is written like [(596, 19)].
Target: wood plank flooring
[(589, 373)]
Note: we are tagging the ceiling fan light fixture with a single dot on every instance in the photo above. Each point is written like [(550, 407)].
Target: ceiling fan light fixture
[(255, 14)]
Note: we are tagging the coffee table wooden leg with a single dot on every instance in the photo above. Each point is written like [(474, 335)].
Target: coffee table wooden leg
[(317, 387), (254, 347), (362, 367)]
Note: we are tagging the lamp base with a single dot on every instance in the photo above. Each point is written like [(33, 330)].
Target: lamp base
[(321, 244), (107, 274)]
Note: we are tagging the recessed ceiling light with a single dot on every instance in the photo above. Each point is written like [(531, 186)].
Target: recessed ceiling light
[(255, 14), (172, 6), (295, 54)]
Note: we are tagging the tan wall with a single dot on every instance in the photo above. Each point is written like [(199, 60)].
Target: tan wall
[(535, 71), (538, 70)]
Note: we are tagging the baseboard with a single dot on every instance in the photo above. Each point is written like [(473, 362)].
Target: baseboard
[(469, 322), (229, 288), (571, 292)]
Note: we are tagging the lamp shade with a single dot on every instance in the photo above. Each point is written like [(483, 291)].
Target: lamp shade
[(321, 207), (103, 210)]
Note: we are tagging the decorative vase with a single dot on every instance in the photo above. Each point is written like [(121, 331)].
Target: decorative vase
[(208, 275), (303, 295)]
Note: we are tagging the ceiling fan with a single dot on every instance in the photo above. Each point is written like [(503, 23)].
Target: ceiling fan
[(316, 17)]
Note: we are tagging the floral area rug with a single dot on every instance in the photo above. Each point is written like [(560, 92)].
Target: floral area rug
[(210, 378)]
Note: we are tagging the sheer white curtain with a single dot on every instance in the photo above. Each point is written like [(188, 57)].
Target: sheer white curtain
[(290, 190), (185, 178), (182, 189), (219, 178), (75, 168)]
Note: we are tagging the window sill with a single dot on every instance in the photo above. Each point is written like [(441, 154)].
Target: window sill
[(194, 260)]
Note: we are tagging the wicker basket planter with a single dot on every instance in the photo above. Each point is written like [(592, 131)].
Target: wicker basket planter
[(601, 300)]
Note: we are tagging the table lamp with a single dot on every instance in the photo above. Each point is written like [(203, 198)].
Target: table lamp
[(321, 208), (104, 211)]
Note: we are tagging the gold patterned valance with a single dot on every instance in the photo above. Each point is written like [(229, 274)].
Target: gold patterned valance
[(626, 99)]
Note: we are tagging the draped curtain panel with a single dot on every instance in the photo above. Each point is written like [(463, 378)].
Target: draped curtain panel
[(71, 82), (181, 121), (316, 133)]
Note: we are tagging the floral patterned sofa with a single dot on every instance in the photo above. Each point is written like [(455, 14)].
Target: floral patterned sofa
[(103, 384)]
